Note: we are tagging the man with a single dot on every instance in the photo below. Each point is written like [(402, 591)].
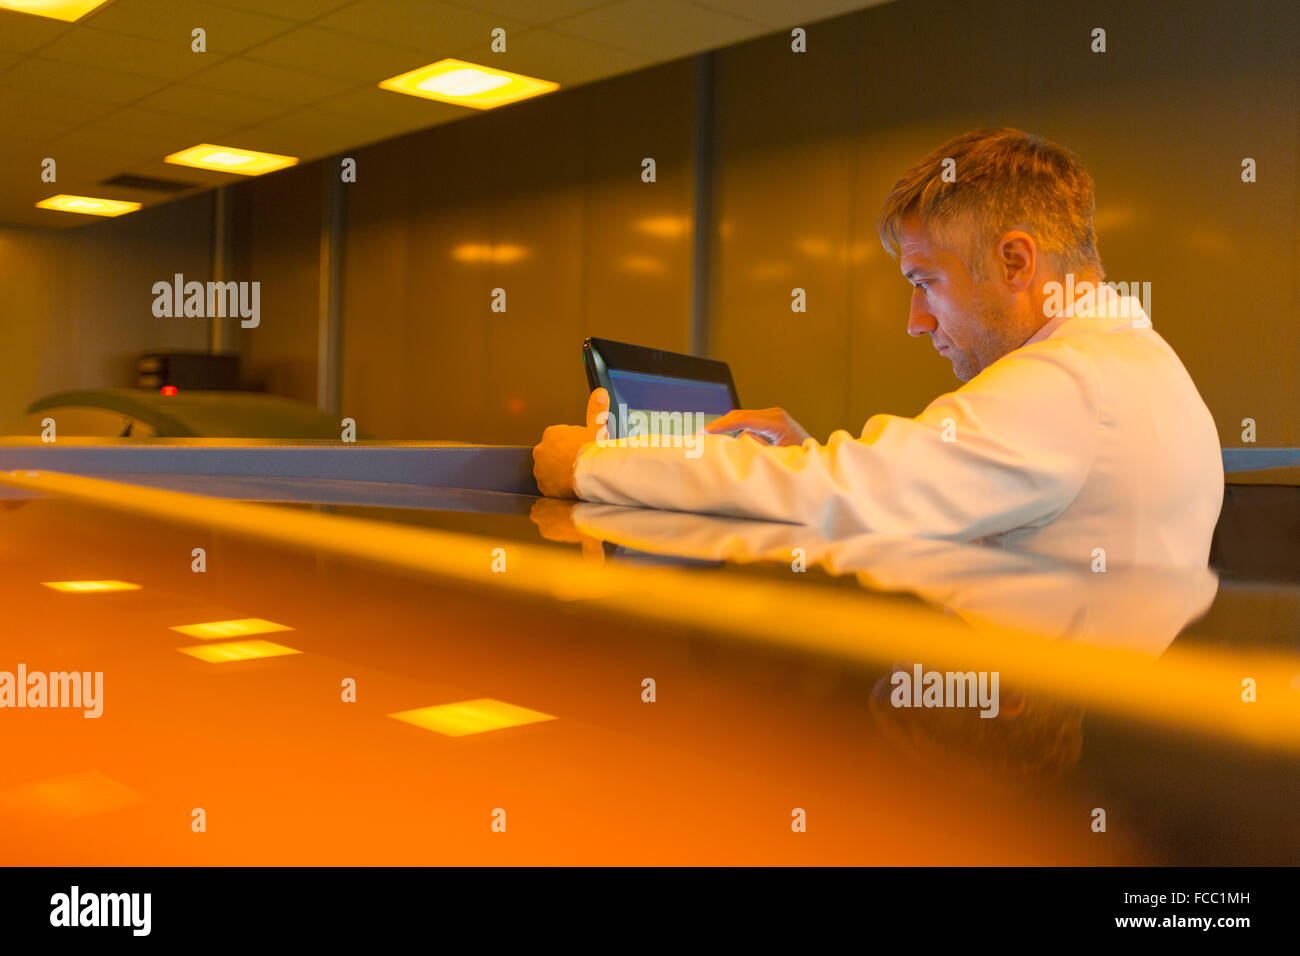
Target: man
[(1077, 433)]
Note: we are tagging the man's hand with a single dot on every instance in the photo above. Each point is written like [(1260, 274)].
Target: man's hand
[(554, 519), (772, 426), (554, 455)]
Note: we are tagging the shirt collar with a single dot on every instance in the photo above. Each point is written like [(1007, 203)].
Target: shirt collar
[(1108, 310)]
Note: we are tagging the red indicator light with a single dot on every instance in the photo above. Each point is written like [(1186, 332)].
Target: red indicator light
[(169, 390)]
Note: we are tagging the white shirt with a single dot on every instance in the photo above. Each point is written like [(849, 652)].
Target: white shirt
[(1089, 436)]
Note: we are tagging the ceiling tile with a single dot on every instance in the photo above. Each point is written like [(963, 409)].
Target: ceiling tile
[(783, 13), (228, 31), (23, 33), (335, 54), (300, 10), (428, 24), (38, 75), (84, 173), (20, 165), (37, 141), (150, 133), (128, 54), (89, 148), (664, 29), (566, 60), (17, 106), (391, 108), (312, 135), (269, 82), (231, 108), (20, 168), (537, 11)]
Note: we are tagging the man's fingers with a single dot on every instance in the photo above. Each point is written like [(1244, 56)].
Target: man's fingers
[(740, 418), (756, 426), (597, 402)]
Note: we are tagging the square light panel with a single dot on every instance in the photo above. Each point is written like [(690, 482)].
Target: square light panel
[(231, 159), (468, 84), (229, 651), (471, 717), (88, 205), (66, 10), (243, 627)]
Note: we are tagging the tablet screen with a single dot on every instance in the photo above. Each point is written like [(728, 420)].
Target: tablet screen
[(653, 392), (661, 392), (637, 401)]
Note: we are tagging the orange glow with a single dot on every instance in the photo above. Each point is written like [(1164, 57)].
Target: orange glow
[(766, 271), (664, 227), (169, 390), (501, 254), (471, 717), (814, 247), (642, 265), (75, 795)]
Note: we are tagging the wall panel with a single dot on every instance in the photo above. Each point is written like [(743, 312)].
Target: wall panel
[(544, 200)]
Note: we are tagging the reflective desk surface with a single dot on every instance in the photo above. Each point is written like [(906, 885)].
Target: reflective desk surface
[(1142, 716)]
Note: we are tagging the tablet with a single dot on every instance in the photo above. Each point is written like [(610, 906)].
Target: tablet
[(647, 386)]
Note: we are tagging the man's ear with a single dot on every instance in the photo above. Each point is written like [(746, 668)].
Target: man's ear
[(1017, 259)]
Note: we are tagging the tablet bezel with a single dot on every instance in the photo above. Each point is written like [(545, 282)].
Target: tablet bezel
[(600, 355)]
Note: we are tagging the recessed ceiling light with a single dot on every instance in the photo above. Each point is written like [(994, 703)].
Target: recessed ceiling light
[(88, 205), (230, 159), (67, 10), (468, 84)]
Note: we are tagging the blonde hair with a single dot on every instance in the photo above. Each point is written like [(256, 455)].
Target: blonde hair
[(1004, 179)]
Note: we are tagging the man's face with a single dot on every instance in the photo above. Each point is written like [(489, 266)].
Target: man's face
[(970, 321)]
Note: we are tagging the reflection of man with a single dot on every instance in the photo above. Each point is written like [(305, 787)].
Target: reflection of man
[(1077, 428), (1140, 609)]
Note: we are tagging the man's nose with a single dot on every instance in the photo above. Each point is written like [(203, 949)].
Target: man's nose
[(919, 319)]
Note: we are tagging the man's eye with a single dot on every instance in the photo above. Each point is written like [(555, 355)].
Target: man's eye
[(924, 286)]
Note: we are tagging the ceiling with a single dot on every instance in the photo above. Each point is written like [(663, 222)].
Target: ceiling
[(118, 90)]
